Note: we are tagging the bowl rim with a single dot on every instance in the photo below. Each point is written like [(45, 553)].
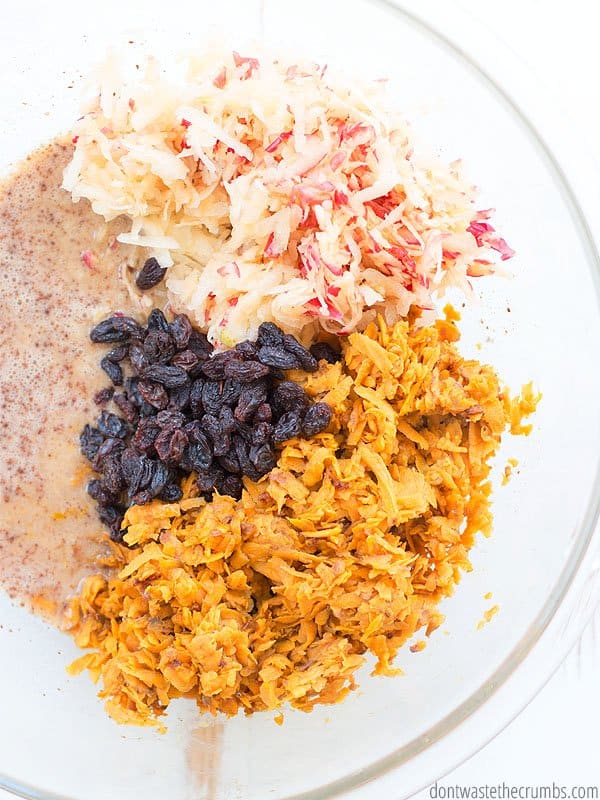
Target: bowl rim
[(556, 628)]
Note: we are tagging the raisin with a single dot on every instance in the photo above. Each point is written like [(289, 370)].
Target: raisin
[(230, 392), (247, 351), (200, 344), (261, 433), (290, 396), (162, 476), (263, 413), (196, 406), (227, 419), (186, 359), (245, 371), (111, 425), (171, 493), (126, 407), (325, 352), (142, 497), (170, 444), (169, 377), (159, 347), (117, 354), (105, 332), (146, 434), (90, 441), (129, 465), (150, 275), (263, 458), (103, 396), (200, 454), (214, 430), (231, 485), (158, 322), (181, 331), (230, 462), (212, 398), (112, 474), (269, 335), (112, 517), (133, 393), (207, 479), (107, 448), (154, 394), (137, 357), (278, 357), (307, 361), (141, 476), (129, 326), (316, 419), (98, 491), (242, 452), (179, 398), (114, 371), (287, 427), (214, 368), (251, 397), (170, 418)]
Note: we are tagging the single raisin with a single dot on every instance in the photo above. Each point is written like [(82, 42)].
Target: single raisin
[(200, 454), (278, 357), (170, 444), (229, 461), (169, 377), (263, 413), (263, 458), (145, 435), (159, 347), (111, 425), (307, 361), (112, 474), (316, 419), (98, 491), (196, 390), (181, 331), (214, 368), (290, 396), (114, 371), (108, 331), (153, 393), (137, 357), (212, 397), (170, 418), (207, 479), (103, 396), (179, 398), (126, 407), (186, 359), (248, 351), (158, 322), (162, 476), (323, 351), (150, 275), (117, 354), (107, 448), (112, 517), (171, 493), (269, 335), (288, 426), (261, 433), (90, 441), (245, 371), (227, 420), (200, 344), (231, 485), (251, 397)]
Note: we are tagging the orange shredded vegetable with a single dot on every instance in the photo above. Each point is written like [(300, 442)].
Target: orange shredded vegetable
[(346, 548)]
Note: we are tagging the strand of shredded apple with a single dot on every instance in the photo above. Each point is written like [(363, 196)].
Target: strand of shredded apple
[(275, 191)]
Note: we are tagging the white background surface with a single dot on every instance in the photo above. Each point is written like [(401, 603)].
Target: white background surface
[(557, 738)]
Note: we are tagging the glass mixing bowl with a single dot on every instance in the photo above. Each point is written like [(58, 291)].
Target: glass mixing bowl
[(394, 735)]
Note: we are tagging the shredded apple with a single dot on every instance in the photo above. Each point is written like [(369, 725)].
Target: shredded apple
[(276, 191), (346, 548)]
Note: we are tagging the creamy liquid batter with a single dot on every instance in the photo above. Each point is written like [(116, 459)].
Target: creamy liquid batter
[(50, 536)]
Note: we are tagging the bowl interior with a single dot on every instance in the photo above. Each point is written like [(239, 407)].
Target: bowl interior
[(542, 325)]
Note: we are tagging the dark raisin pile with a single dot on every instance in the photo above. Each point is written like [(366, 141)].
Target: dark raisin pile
[(181, 407)]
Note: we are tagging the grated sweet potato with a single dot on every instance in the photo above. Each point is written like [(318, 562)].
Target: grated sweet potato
[(347, 547)]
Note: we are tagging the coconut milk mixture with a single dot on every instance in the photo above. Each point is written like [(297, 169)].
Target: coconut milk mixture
[(50, 536)]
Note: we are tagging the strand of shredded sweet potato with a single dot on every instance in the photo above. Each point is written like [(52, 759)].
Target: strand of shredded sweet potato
[(346, 547)]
